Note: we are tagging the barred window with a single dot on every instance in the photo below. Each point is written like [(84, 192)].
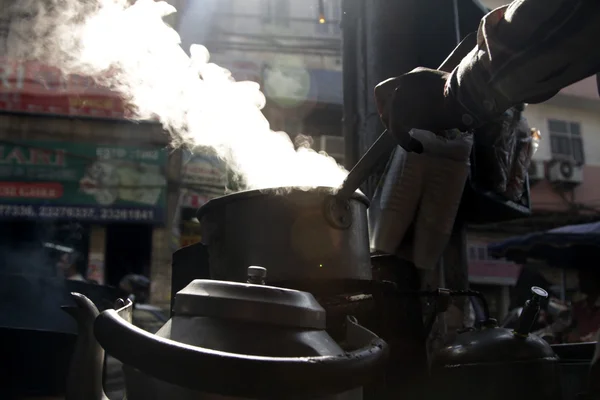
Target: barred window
[(277, 12), (566, 141)]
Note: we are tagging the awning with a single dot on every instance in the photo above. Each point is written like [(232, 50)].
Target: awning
[(569, 246)]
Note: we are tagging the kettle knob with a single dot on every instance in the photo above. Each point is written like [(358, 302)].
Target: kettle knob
[(530, 311), (538, 294), (257, 275)]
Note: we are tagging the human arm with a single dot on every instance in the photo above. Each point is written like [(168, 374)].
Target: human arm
[(526, 52), (590, 337)]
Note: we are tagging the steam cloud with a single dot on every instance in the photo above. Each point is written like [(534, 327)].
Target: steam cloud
[(131, 50)]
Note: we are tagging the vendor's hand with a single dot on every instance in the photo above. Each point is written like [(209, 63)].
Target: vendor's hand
[(591, 337), (417, 100)]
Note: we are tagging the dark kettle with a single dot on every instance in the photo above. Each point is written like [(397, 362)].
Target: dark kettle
[(496, 363)]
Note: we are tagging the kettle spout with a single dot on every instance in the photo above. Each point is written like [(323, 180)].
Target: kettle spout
[(84, 380)]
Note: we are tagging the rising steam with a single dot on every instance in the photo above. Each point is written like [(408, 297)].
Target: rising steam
[(131, 50)]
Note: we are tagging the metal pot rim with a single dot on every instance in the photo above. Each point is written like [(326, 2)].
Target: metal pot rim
[(276, 191)]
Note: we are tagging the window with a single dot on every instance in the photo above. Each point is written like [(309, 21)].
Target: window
[(277, 12), (336, 16), (292, 126), (472, 253), (333, 145), (477, 252), (5, 22), (482, 253), (566, 141)]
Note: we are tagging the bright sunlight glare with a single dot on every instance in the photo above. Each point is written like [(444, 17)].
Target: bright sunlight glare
[(131, 50)]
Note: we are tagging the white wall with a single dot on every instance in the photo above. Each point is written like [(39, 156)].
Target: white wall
[(538, 115), (245, 23), (299, 9)]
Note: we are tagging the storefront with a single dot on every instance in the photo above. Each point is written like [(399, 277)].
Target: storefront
[(83, 190), (67, 201), (492, 277), (203, 176)]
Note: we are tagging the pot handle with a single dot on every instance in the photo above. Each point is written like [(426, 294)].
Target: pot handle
[(211, 371)]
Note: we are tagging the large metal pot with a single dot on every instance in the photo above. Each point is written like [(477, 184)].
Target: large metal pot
[(226, 340), (296, 234)]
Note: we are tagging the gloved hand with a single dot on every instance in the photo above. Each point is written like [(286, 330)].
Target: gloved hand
[(418, 100)]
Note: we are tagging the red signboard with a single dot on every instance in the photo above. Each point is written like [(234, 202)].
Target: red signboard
[(37, 88), (195, 200), (26, 190), (494, 269)]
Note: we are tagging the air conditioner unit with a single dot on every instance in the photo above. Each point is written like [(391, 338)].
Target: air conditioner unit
[(536, 171), (334, 146), (565, 172)]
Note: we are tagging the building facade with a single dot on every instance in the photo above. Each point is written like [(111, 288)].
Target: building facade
[(566, 167), (563, 176), (84, 192), (293, 49), (564, 187)]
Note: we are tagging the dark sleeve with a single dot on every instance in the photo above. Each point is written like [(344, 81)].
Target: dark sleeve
[(526, 52)]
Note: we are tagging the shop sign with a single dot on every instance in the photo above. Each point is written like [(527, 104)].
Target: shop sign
[(195, 200), (32, 87), (204, 174), (485, 269), (85, 182)]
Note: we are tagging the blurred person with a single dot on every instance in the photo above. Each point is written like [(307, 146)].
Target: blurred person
[(555, 319), (586, 307), (67, 267)]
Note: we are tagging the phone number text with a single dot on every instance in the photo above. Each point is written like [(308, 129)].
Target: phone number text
[(89, 213)]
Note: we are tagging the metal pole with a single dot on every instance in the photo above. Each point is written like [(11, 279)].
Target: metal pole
[(441, 318), (456, 21), (386, 48), (563, 285), (350, 40)]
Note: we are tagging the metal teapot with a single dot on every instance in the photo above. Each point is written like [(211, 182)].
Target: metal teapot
[(227, 340), (498, 363)]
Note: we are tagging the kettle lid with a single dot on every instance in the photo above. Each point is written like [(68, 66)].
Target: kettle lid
[(250, 303)]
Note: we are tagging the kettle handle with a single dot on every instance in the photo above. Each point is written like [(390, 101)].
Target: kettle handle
[(211, 371)]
